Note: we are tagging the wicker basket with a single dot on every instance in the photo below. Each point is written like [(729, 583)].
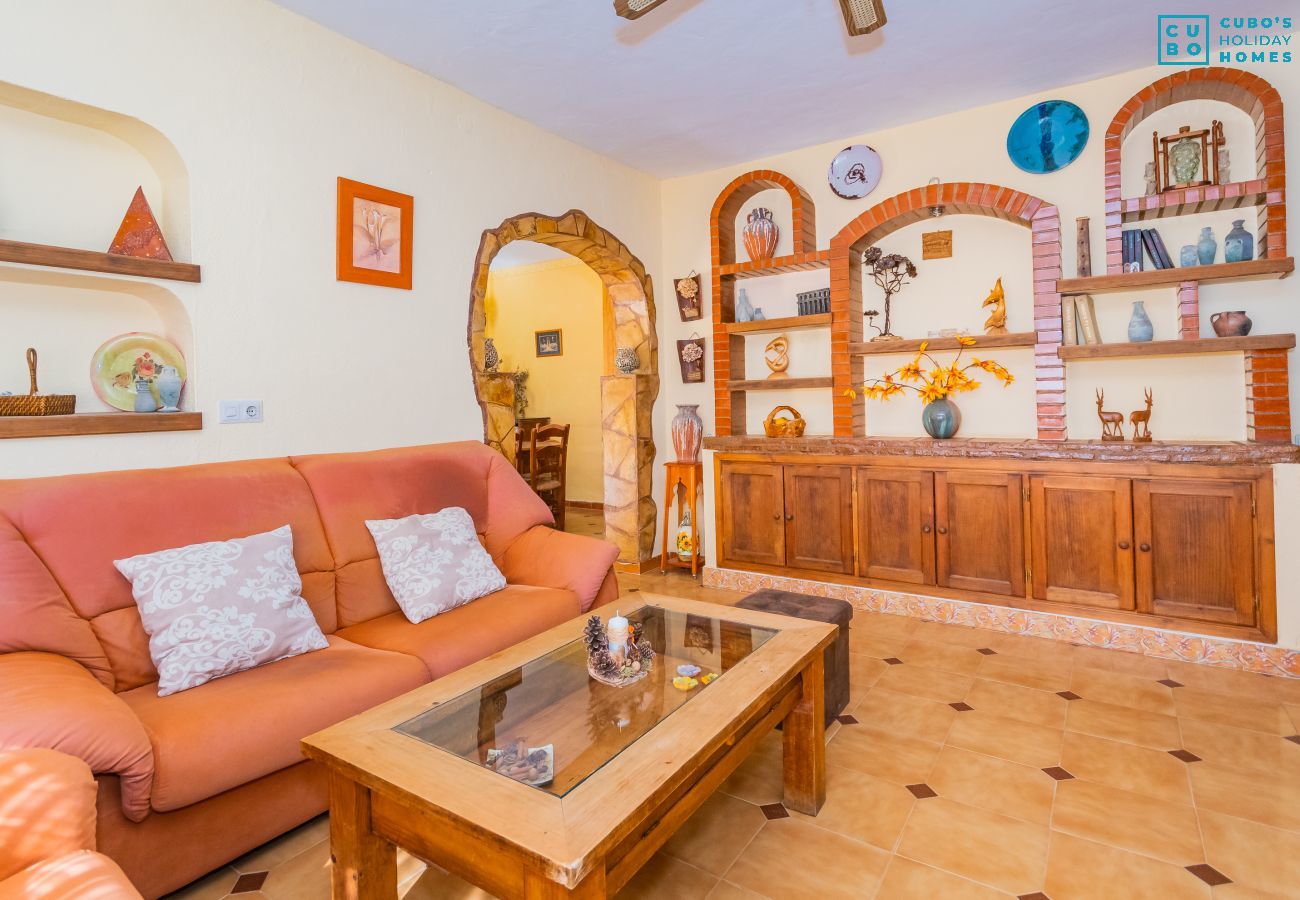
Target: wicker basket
[(37, 404)]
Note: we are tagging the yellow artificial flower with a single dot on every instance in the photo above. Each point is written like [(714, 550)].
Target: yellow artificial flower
[(966, 341)]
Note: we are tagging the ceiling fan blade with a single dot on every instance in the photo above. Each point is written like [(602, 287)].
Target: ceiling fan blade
[(635, 9), (863, 16)]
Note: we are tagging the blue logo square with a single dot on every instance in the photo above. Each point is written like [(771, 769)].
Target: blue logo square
[(1183, 40)]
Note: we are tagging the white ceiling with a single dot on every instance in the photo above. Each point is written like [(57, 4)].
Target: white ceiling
[(700, 84)]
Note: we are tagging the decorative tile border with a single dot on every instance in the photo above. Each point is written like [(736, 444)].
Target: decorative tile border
[(1249, 656)]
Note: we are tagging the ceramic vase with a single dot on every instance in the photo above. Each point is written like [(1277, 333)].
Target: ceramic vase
[(1187, 256), (169, 389), (760, 234), (1207, 247), (1139, 324), (941, 418), (144, 401), (688, 432), (626, 360), (491, 358), (685, 548), (1239, 244), (744, 309), (1231, 324)]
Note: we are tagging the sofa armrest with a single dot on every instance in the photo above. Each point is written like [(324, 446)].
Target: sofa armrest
[(544, 557), (51, 702), (49, 808)]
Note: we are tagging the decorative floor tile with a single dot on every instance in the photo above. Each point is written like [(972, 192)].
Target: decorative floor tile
[(1186, 756), (1210, 875), (775, 811), (1068, 695), (846, 720), (1169, 683), (1293, 738), (894, 661), (1036, 895), (249, 882), (1058, 773), (922, 791), (987, 651), (961, 707)]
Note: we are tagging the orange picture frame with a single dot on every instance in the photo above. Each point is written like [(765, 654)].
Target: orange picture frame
[(375, 233)]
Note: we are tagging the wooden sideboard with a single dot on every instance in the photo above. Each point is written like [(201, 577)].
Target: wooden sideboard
[(1177, 536)]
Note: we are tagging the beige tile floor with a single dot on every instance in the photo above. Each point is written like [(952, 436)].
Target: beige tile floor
[(967, 768)]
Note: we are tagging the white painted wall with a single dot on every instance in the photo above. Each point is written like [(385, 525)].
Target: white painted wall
[(266, 109), (1196, 397)]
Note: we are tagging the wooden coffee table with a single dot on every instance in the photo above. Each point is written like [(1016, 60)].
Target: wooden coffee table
[(630, 764)]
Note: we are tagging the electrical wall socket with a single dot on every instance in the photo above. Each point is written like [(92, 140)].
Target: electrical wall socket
[(240, 412)]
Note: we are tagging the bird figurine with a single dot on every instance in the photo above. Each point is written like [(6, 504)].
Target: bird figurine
[(997, 320)]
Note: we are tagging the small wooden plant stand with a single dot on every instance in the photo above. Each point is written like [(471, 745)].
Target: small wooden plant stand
[(689, 477)]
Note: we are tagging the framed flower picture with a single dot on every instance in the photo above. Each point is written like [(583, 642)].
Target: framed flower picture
[(374, 235)]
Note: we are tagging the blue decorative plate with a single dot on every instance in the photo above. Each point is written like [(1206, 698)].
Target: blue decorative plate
[(1048, 136)]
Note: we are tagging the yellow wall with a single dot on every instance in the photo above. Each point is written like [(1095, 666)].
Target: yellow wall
[(568, 295)]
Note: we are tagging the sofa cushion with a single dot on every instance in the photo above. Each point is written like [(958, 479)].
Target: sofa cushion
[(468, 633), (221, 607), (84, 875), (78, 524), (235, 729), (434, 562), (390, 484)]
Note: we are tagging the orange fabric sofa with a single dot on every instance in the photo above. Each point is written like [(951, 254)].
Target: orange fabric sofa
[(47, 831), (191, 781)]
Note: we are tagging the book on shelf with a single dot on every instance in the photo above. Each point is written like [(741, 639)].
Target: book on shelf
[(1165, 261), (1069, 321), (1133, 250), (1087, 315)]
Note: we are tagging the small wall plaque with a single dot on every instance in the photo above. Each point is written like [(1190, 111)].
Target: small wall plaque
[(936, 245)]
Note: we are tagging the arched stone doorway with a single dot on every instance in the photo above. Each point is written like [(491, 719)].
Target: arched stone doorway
[(627, 401)]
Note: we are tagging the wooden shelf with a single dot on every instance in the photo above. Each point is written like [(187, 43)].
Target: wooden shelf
[(1179, 348), (798, 262), (1240, 271), (781, 384), (93, 261), (1018, 339), (98, 423), (787, 323), (1190, 201)]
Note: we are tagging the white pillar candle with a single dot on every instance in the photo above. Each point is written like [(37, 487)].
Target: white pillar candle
[(617, 632)]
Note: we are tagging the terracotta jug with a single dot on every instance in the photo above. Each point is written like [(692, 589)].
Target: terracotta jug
[(1231, 324), (761, 234)]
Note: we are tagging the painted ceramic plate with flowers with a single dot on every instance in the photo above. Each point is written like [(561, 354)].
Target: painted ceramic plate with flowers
[(121, 360)]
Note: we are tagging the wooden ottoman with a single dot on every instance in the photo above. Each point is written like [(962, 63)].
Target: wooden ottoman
[(817, 609)]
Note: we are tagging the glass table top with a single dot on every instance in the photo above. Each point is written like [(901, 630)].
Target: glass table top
[(559, 724)]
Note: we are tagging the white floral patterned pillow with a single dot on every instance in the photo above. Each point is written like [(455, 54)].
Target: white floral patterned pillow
[(222, 607), (434, 562)]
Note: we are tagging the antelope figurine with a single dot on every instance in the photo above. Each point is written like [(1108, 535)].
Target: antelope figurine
[(997, 320), (1140, 419), (1112, 423)]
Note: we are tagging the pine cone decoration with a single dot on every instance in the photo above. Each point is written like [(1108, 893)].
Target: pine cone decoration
[(604, 665), (594, 634), (637, 628), (647, 652)]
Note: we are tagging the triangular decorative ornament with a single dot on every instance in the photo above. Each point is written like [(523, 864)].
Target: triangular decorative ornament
[(139, 234)]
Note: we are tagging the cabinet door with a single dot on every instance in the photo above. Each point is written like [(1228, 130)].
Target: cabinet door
[(1196, 549), (819, 518), (1081, 539), (752, 528), (895, 510), (979, 531)]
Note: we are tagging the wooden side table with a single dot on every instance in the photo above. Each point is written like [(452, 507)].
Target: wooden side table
[(690, 477)]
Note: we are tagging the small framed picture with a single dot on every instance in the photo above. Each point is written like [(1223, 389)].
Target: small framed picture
[(549, 343), (374, 235)]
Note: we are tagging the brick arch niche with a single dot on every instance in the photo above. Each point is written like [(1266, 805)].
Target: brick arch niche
[(1247, 92), (958, 198), (627, 401)]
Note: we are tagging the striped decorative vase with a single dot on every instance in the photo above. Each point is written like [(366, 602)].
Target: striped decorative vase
[(761, 234), (688, 432)]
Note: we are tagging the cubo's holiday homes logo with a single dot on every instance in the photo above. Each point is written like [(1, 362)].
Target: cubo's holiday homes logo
[(1188, 41)]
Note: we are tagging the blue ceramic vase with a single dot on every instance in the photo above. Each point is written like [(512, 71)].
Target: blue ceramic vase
[(1239, 244), (1187, 257), (941, 418), (1207, 247), (1139, 324)]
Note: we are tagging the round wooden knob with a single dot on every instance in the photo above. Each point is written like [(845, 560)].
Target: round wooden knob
[(1123, 545), (789, 517), (1145, 548), (943, 530), (926, 529), (776, 517)]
